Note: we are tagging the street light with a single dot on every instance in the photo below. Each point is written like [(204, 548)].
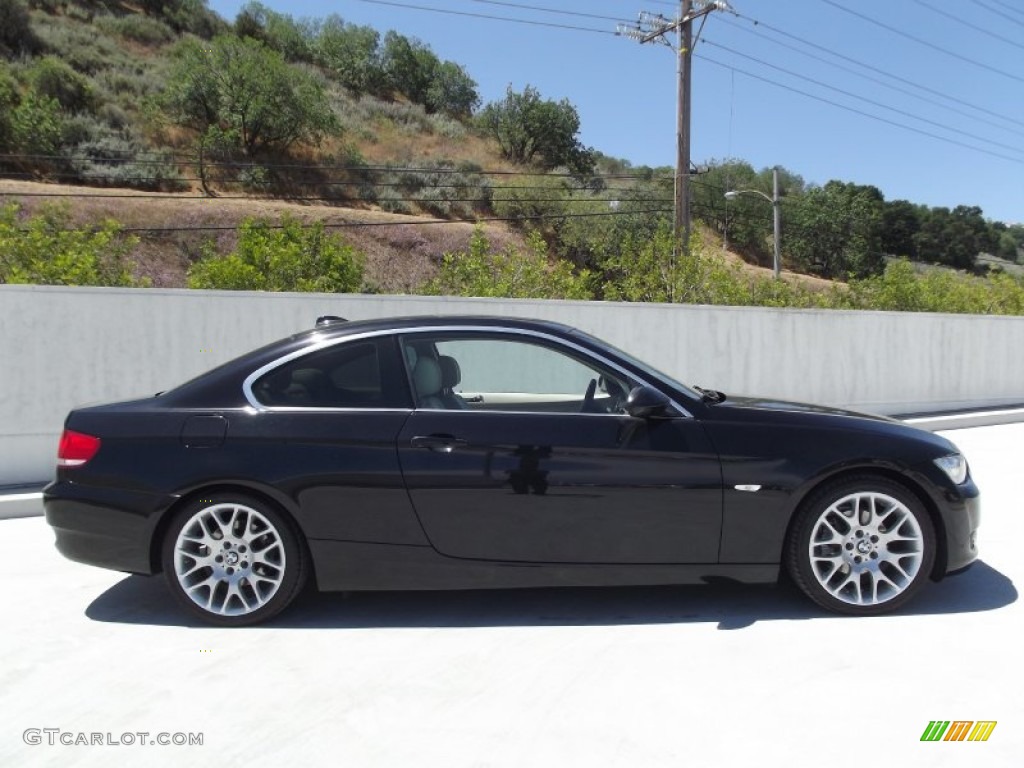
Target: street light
[(777, 218)]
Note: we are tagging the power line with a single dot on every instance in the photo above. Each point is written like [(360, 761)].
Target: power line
[(879, 70), (998, 12), (552, 10), (961, 20), (921, 41), (860, 112), (487, 16), (879, 80), (863, 98)]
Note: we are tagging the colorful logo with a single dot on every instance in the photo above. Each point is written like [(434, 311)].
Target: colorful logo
[(958, 730)]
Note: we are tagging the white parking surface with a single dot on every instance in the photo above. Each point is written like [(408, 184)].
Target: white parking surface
[(711, 676)]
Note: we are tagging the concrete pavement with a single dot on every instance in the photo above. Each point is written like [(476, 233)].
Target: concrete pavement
[(668, 676)]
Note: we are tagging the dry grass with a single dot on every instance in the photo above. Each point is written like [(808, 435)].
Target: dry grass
[(402, 251), (713, 244)]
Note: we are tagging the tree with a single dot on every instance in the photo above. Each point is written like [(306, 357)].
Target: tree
[(901, 221), (351, 54), (409, 66), (452, 92), (245, 95), (955, 237), (836, 230), (531, 129), (278, 30), (289, 257)]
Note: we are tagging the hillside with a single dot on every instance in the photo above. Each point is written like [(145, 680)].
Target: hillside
[(402, 252), (180, 125)]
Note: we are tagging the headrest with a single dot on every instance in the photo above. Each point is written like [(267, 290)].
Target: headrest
[(451, 374)]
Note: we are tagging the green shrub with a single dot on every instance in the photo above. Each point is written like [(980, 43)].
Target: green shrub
[(36, 125), (45, 249), (480, 271), (291, 257), (900, 288), (52, 78)]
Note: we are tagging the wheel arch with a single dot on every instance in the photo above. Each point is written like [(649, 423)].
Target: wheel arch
[(280, 503), (887, 473)]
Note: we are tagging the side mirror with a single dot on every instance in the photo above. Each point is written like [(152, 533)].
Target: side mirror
[(644, 402)]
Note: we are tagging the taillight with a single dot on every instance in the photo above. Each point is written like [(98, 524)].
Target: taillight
[(76, 448)]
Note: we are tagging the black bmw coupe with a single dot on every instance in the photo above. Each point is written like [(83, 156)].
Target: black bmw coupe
[(482, 452)]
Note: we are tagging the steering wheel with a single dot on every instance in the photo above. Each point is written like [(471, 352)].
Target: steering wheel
[(588, 398)]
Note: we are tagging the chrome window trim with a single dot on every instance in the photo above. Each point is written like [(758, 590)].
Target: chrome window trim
[(251, 379)]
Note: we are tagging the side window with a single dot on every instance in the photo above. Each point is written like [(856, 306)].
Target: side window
[(357, 374), (500, 373)]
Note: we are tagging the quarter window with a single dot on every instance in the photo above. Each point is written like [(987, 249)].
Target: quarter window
[(357, 374)]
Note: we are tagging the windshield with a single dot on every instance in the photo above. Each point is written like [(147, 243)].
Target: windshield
[(640, 365)]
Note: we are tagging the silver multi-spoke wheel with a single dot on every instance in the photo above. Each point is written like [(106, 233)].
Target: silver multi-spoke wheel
[(862, 546), (866, 548), (233, 560)]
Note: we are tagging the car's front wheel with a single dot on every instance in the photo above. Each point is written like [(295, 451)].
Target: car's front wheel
[(861, 546), (233, 560)]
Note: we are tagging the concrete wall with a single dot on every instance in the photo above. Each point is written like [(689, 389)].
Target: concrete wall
[(60, 347)]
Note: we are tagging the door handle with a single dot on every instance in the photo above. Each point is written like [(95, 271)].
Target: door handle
[(438, 443)]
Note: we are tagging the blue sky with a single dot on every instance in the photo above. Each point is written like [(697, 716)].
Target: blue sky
[(961, 79)]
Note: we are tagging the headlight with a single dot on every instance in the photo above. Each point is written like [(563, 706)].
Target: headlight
[(955, 466)]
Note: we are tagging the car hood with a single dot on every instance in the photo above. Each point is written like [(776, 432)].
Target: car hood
[(770, 404), (780, 413)]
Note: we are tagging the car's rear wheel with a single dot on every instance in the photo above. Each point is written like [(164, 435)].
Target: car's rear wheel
[(232, 559), (861, 546)]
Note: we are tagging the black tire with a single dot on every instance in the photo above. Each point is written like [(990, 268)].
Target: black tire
[(233, 559), (861, 546)]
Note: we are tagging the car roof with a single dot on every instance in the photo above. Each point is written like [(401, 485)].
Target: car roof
[(349, 327)]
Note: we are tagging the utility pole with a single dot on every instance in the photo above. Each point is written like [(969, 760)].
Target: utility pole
[(777, 224), (684, 30), (654, 28)]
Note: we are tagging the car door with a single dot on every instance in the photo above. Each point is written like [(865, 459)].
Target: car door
[(519, 450), (325, 434)]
